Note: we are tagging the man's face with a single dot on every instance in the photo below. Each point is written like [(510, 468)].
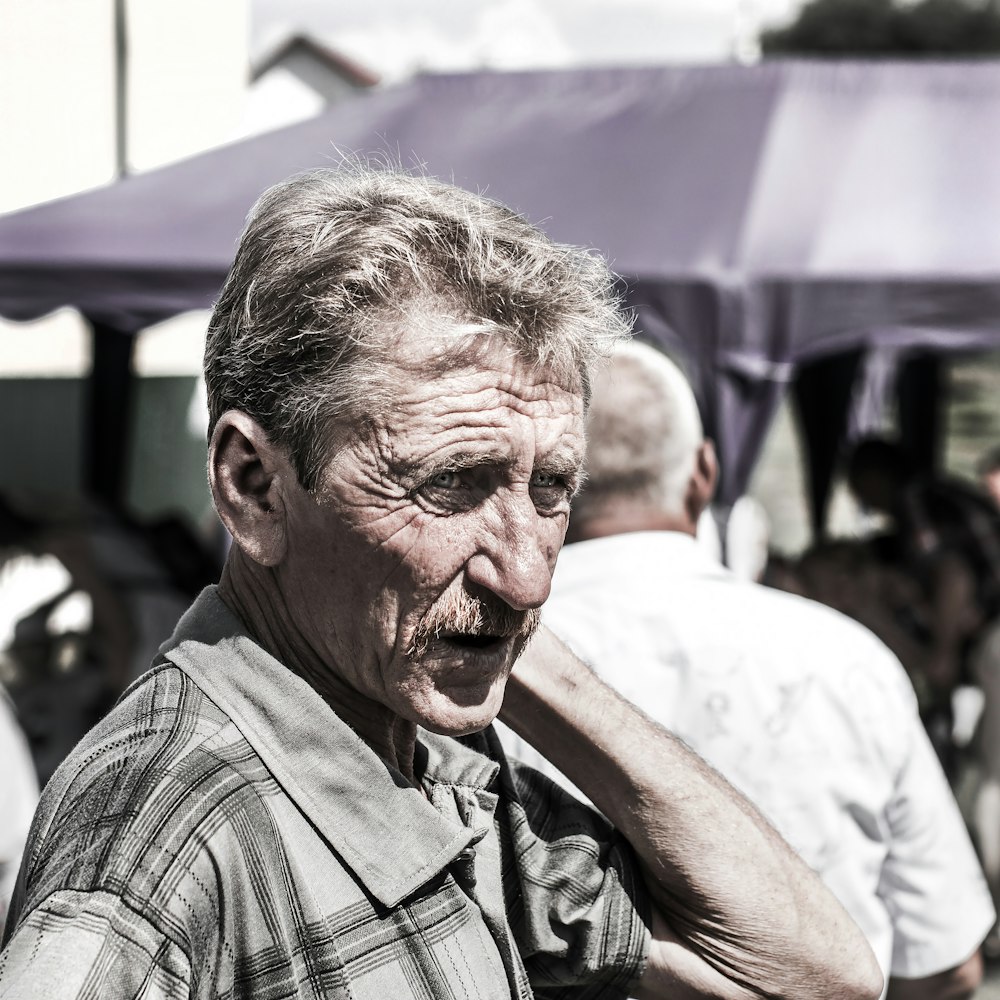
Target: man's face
[(452, 508)]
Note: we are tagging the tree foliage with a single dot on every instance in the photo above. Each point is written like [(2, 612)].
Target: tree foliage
[(883, 28)]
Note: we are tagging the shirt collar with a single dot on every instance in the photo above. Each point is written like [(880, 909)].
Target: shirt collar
[(382, 827)]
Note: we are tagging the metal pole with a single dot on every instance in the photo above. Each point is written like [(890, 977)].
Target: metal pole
[(109, 396), (121, 89)]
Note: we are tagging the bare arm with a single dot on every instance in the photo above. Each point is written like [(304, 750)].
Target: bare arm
[(953, 595), (740, 914), (958, 983)]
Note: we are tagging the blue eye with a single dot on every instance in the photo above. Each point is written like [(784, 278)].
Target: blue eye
[(447, 479)]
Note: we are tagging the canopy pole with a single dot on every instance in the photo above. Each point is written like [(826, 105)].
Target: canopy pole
[(109, 393), (121, 89), (822, 392), (919, 393)]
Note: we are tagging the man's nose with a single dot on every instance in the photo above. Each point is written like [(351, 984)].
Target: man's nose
[(513, 560)]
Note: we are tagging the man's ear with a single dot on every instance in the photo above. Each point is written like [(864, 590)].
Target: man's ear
[(704, 479), (248, 474)]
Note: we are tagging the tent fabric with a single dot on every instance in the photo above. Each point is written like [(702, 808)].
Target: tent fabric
[(761, 217)]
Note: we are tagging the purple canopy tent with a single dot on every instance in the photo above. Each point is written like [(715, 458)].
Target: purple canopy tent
[(762, 218)]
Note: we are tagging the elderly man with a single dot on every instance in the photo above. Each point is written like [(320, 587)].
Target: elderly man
[(801, 708), (299, 800)]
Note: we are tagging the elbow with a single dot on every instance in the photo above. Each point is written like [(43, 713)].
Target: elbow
[(871, 980), (858, 975), (871, 983)]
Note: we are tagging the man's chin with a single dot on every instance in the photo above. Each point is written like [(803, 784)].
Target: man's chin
[(456, 729), (461, 712)]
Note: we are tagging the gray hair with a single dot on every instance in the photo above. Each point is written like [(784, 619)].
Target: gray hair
[(332, 261), (643, 434)]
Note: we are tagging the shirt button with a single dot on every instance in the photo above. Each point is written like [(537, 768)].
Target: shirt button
[(464, 867)]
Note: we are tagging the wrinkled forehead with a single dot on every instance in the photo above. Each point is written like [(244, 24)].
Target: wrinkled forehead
[(421, 365), (431, 341)]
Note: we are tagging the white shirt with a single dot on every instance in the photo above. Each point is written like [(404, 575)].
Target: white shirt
[(804, 711)]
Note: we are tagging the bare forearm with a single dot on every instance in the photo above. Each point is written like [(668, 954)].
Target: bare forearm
[(728, 886)]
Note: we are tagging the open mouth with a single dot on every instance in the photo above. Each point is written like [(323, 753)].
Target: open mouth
[(466, 640)]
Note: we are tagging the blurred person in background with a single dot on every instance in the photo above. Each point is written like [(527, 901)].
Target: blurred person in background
[(986, 670), (86, 597), (945, 537), (943, 615), (64, 634), (871, 581), (798, 706)]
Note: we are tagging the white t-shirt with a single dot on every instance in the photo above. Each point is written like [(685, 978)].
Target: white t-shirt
[(804, 711)]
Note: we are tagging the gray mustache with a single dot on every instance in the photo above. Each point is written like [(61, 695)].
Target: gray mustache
[(470, 615)]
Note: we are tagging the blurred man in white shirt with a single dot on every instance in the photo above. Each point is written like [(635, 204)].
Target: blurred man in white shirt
[(802, 709)]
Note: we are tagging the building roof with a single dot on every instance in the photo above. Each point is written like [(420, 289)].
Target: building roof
[(352, 72)]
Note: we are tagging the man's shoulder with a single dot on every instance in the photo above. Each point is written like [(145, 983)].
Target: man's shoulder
[(780, 604), (684, 585), (694, 619), (154, 725), (829, 634), (139, 787), (787, 635)]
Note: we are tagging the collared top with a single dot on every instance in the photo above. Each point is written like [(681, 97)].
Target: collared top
[(804, 711), (223, 833)]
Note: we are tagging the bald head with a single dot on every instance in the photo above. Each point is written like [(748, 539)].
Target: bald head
[(645, 448)]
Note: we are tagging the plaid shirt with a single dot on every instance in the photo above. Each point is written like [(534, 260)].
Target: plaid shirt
[(223, 834)]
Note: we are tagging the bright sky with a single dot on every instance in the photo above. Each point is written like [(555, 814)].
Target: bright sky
[(397, 37)]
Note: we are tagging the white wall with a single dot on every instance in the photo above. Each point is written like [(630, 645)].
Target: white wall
[(187, 74), (56, 98), (188, 68)]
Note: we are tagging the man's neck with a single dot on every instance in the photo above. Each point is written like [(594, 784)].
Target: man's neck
[(251, 592)]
